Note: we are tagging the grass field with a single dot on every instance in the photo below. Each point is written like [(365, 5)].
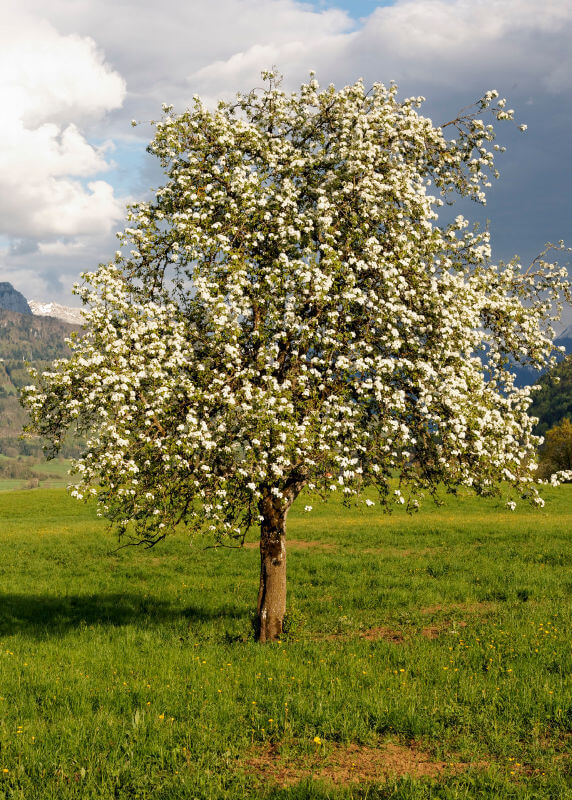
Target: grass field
[(428, 657), (48, 474)]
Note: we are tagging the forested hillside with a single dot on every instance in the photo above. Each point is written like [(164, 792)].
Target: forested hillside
[(33, 338), (554, 400), (25, 340)]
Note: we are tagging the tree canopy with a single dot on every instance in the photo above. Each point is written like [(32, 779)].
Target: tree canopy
[(288, 312)]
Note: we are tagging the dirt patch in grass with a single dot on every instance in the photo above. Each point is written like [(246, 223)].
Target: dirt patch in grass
[(432, 633), (343, 764), (370, 635), (387, 634), (397, 637), (296, 544), (381, 633)]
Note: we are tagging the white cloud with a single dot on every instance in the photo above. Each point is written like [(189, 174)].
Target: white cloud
[(49, 86), (61, 248), (242, 70), (28, 281), (159, 49), (447, 42), (47, 76), (73, 72), (47, 270), (168, 53), (443, 44)]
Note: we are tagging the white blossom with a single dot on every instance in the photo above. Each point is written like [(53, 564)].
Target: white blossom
[(288, 310)]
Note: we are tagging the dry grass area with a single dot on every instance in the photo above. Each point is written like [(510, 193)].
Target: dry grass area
[(341, 764), (296, 544), (433, 631)]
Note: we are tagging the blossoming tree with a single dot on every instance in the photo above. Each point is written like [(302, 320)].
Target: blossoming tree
[(291, 314)]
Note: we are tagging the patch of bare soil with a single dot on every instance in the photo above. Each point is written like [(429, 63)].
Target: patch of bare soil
[(389, 635), (296, 544), (342, 764), (371, 635), (432, 633)]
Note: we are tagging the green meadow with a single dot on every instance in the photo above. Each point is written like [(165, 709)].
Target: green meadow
[(26, 472), (426, 656)]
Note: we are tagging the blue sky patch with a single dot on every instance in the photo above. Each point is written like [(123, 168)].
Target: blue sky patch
[(355, 8)]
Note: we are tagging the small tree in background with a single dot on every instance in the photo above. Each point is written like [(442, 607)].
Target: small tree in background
[(292, 315), (556, 453)]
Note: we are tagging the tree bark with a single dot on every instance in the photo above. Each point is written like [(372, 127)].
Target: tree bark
[(272, 591)]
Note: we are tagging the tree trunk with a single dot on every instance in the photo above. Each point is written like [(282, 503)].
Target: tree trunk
[(272, 591)]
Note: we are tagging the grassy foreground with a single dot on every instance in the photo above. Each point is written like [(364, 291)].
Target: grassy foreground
[(428, 657)]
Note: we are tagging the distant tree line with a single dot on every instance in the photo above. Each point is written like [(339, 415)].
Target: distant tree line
[(553, 402), (556, 452)]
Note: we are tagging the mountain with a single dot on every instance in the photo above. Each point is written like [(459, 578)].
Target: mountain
[(65, 313), (25, 339), (12, 300)]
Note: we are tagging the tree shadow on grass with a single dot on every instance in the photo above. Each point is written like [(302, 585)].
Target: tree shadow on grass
[(41, 615)]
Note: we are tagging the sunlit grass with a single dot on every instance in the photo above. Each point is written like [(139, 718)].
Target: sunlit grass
[(133, 674), (49, 474)]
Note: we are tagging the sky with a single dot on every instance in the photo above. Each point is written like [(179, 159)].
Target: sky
[(74, 73)]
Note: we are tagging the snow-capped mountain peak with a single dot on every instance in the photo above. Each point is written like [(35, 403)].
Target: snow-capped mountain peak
[(65, 313)]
